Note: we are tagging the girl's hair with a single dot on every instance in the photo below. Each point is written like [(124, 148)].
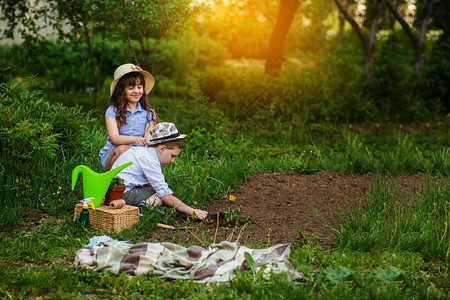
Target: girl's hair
[(119, 97)]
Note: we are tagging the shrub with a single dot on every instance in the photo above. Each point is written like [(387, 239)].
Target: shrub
[(40, 144)]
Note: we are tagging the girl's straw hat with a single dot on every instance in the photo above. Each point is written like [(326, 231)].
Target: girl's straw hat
[(128, 68), (164, 132)]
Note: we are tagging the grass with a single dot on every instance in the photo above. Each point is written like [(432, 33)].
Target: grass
[(390, 249)]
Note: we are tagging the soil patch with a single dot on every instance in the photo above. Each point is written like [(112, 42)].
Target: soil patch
[(278, 204), (32, 219)]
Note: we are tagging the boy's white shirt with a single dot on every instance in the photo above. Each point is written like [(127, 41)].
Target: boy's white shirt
[(146, 168)]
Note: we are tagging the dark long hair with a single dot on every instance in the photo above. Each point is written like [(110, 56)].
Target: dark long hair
[(119, 97)]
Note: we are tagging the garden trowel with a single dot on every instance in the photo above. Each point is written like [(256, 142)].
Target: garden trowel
[(161, 225)]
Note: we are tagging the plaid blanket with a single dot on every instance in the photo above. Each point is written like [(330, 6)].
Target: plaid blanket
[(168, 260)]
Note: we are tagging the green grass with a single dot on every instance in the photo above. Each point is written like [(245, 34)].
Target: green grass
[(388, 250)]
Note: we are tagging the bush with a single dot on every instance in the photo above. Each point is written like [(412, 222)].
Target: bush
[(40, 145), (436, 76), (61, 70), (334, 90)]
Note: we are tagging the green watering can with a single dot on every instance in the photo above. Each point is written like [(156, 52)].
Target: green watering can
[(95, 184)]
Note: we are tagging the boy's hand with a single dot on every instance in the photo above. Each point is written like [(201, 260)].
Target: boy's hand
[(201, 214)]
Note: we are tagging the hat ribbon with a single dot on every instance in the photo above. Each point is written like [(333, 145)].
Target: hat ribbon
[(136, 68), (166, 137)]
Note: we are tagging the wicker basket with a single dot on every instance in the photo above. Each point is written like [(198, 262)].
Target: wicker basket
[(110, 219)]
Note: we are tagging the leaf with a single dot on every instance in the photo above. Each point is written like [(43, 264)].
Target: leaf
[(391, 274), (338, 275), (249, 259)]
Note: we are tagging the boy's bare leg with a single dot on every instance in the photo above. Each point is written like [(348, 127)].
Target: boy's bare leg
[(154, 200), (114, 155)]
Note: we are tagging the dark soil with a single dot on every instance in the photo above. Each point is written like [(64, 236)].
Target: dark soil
[(277, 205), (32, 219)]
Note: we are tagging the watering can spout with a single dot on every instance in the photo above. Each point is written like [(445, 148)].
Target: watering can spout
[(95, 184)]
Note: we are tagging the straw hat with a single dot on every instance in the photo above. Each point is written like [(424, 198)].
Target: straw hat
[(128, 68), (164, 132)]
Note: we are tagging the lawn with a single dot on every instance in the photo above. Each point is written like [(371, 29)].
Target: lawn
[(390, 249)]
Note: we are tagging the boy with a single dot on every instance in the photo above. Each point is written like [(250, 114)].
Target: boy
[(144, 180)]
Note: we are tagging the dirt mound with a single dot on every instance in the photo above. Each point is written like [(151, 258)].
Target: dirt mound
[(277, 204)]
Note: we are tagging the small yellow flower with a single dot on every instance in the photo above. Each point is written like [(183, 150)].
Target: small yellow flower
[(78, 239), (59, 200), (42, 204), (42, 254), (428, 275), (60, 188), (42, 243), (57, 192), (232, 198), (65, 237)]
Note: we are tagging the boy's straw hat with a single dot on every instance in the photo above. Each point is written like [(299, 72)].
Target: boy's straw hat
[(164, 132), (128, 68)]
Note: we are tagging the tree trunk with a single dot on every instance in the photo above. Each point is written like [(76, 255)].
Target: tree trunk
[(418, 41), (128, 38), (340, 36), (274, 54), (92, 61), (420, 47), (367, 41)]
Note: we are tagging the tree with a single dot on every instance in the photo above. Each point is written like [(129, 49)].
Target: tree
[(441, 19), (367, 39), (340, 36), (417, 40), (274, 55), (102, 19), (20, 16), (86, 18), (152, 19)]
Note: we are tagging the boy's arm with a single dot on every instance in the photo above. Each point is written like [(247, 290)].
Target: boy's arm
[(172, 201)]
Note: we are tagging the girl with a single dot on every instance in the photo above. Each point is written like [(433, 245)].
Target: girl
[(130, 117)]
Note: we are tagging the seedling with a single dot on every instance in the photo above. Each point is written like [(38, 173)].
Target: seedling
[(233, 214), (116, 181)]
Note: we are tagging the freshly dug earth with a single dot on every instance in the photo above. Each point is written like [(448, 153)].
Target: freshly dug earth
[(277, 205)]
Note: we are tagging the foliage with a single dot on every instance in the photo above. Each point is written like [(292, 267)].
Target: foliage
[(116, 181), (76, 20), (436, 72), (38, 139), (308, 33), (149, 19), (332, 91), (180, 59)]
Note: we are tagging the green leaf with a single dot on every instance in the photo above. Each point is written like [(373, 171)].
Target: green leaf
[(338, 275), (391, 274), (250, 260)]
